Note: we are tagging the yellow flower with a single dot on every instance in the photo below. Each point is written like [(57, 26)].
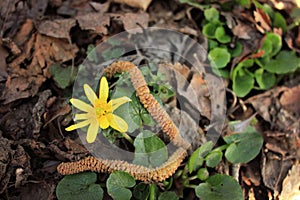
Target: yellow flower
[(100, 114)]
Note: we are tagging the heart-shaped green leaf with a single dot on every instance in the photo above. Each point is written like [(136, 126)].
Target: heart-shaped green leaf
[(264, 79), (197, 157), (150, 150), (79, 186), (219, 57), (285, 62), (243, 146), (243, 82), (168, 195), (219, 187), (211, 14), (117, 185), (221, 36), (213, 158)]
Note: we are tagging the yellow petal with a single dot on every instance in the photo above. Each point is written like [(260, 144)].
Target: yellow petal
[(92, 132), (103, 90), (118, 102), (103, 122), (81, 105), (78, 125), (117, 123), (81, 116), (90, 94)]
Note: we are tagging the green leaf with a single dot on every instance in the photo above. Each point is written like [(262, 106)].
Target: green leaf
[(141, 191), (219, 57), (209, 30), (221, 72), (266, 47), (79, 186), (112, 53), (212, 44), (245, 3), (212, 15), (243, 146), (168, 195), (63, 76), (203, 174), (285, 62), (221, 36), (213, 158), (126, 109), (237, 50), (264, 79), (117, 185), (276, 43), (197, 157), (243, 82), (219, 187), (150, 150), (91, 53), (279, 22)]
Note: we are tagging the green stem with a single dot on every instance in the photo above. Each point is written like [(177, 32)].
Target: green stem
[(191, 186), (192, 178), (127, 137), (221, 148), (152, 191)]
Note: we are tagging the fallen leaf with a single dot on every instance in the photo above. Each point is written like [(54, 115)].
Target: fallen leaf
[(263, 22), (59, 28), (290, 100), (190, 87), (274, 169), (143, 4), (37, 8), (26, 79), (188, 128), (20, 88), (3, 65), (291, 184), (24, 33), (241, 30), (135, 20), (100, 7), (94, 21)]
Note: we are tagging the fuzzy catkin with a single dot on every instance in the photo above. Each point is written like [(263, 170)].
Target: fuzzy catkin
[(137, 171)]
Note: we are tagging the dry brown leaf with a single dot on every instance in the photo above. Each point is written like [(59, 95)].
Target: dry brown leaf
[(263, 22), (131, 20), (3, 65), (291, 184), (27, 78), (24, 33), (59, 28), (143, 4), (241, 30), (290, 100), (94, 21), (100, 7)]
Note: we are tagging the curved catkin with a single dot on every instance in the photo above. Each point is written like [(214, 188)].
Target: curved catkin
[(137, 171), (148, 101), (162, 118)]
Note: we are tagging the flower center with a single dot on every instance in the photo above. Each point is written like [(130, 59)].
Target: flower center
[(102, 108)]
